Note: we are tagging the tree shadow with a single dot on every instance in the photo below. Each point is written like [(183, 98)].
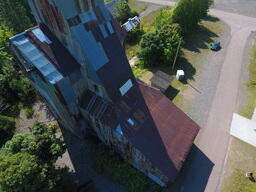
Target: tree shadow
[(211, 18), (200, 37), (188, 68), (195, 172)]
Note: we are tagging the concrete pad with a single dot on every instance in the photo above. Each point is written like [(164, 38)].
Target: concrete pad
[(243, 129)]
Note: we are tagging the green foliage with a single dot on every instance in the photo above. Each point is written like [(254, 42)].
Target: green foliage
[(187, 13), (29, 113), (42, 142), (27, 162), (113, 167), (15, 15), (134, 36), (24, 172), (14, 88), (124, 12), (7, 125), (163, 18), (159, 47)]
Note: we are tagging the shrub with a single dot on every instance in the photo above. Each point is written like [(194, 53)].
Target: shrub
[(134, 36), (7, 125), (124, 12), (29, 113)]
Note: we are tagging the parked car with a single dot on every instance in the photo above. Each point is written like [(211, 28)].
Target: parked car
[(215, 46)]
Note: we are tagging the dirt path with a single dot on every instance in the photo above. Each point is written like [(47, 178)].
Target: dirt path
[(205, 169)]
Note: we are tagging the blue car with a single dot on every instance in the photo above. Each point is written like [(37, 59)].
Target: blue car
[(215, 46)]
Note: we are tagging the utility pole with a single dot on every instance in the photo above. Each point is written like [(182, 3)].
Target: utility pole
[(178, 48)]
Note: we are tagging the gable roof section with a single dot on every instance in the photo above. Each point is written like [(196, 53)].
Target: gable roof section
[(159, 129)]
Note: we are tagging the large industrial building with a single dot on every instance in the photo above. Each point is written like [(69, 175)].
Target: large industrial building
[(75, 59)]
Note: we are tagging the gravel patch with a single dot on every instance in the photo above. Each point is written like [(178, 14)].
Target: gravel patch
[(203, 88)]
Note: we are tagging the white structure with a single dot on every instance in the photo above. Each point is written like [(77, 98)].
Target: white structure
[(131, 23), (244, 129), (180, 74)]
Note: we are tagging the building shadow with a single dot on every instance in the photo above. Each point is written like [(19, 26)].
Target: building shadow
[(171, 92), (195, 173)]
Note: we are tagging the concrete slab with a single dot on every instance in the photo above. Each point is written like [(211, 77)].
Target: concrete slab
[(243, 129)]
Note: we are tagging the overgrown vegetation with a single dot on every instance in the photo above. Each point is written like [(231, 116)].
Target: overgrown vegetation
[(7, 125), (112, 166), (124, 12), (16, 15), (29, 113), (27, 161)]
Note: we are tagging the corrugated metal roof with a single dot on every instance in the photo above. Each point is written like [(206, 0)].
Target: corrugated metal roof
[(36, 58)]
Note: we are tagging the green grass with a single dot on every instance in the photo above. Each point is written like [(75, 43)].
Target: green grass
[(107, 1), (138, 6), (131, 50), (248, 108), (139, 71), (241, 159)]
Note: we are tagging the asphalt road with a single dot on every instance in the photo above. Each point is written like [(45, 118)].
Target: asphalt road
[(204, 171)]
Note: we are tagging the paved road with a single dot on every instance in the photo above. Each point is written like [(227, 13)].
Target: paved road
[(205, 169)]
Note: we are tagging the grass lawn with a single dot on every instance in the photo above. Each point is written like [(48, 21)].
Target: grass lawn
[(137, 5), (247, 109), (241, 159)]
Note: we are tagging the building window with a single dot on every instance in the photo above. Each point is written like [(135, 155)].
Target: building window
[(74, 21), (131, 122), (126, 87)]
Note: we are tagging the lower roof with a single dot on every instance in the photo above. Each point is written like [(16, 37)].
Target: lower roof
[(152, 123)]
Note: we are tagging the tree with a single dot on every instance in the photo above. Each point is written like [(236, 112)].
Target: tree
[(186, 13), (124, 12), (24, 172), (159, 47), (41, 142), (15, 15), (7, 125), (27, 162), (14, 87)]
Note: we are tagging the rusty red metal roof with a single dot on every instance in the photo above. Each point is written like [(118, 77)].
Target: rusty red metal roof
[(167, 138), (161, 131)]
